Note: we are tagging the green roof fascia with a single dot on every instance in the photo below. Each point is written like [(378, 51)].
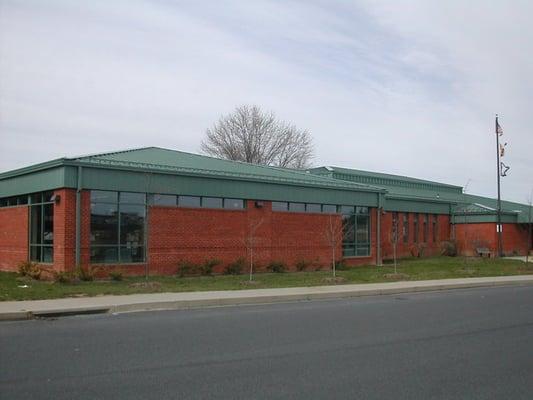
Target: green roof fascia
[(33, 168), (416, 206), (166, 182), (198, 172), (478, 218), (36, 180)]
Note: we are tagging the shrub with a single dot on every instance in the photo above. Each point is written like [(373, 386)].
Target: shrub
[(116, 275), (30, 269), (302, 265), (277, 266), (207, 267), (341, 266), (63, 276), (186, 268), (448, 248), (236, 267), (87, 274)]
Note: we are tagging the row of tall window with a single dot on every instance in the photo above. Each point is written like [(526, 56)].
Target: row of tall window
[(41, 227), (25, 199), (429, 221), (167, 200), (356, 231)]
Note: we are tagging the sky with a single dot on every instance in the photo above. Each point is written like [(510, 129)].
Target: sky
[(402, 87)]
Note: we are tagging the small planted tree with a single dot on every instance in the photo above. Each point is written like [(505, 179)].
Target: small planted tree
[(250, 240), (530, 223), (333, 234)]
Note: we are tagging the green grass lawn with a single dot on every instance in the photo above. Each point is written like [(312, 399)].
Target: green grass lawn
[(414, 269)]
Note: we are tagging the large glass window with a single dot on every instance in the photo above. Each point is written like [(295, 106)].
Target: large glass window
[(415, 228), (117, 227), (435, 229), (405, 232), (163, 200), (426, 228), (42, 228), (356, 231)]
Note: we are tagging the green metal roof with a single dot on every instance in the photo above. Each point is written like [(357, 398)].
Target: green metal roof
[(161, 170)]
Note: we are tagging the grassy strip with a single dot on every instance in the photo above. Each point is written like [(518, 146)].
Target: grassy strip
[(408, 269)]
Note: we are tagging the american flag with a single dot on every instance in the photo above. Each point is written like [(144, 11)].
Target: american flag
[(499, 129)]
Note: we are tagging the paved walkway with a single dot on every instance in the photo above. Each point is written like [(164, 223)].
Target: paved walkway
[(12, 310)]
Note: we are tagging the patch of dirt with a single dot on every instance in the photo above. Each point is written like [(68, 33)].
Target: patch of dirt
[(145, 285), (334, 281), (398, 276), (79, 295)]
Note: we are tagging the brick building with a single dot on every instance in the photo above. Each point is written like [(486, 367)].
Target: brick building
[(146, 210)]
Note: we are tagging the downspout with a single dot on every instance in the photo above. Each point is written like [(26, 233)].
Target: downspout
[(378, 231), (78, 218)]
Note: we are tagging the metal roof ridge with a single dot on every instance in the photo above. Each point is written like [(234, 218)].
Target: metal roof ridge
[(109, 153)]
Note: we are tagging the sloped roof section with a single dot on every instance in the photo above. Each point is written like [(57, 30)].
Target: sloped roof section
[(173, 161)]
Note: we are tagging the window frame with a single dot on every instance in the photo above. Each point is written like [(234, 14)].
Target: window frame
[(32, 205)]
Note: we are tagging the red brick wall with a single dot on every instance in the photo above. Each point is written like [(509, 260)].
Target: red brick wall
[(472, 236), (13, 237), (177, 234), (411, 248), (65, 230)]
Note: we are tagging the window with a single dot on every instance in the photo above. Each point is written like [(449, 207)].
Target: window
[(329, 208), (212, 202), (234, 204), (297, 207), (426, 228), (163, 200), (42, 228), (313, 208), (189, 201), (435, 228), (280, 206), (405, 232), (415, 227), (118, 226), (394, 228), (356, 231)]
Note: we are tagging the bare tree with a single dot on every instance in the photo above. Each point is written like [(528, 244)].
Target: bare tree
[(333, 234), (250, 240), (252, 135)]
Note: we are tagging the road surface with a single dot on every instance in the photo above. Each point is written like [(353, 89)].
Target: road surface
[(461, 344)]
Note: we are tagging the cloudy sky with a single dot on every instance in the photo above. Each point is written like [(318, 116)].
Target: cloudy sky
[(405, 87)]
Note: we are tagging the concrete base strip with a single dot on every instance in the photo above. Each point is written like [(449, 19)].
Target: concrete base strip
[(16, 310)]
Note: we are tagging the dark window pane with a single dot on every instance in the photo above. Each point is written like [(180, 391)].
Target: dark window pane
[(211, 202), (189, 201), (347, 209), (348, 226), (48, 227), (329, 208), (36, 198), (313, 208), (279, 206), (361, 210), (363, 251), (405, 228), (48, 254), (22, 200), (164, 200), (297, 207), (362, 229), (348, 250), (131, 254), (132, 224), (100, 255), (133, 198), (36, 225), (104, 223), (47, 196), (103, 196), (35, 253), (234, 203)]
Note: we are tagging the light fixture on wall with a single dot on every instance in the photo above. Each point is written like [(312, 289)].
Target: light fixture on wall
[(55, 198)]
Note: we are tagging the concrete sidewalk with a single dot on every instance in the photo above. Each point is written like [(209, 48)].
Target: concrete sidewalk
[(16, 310)]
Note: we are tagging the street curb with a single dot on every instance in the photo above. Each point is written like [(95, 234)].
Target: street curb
[(313, 293)]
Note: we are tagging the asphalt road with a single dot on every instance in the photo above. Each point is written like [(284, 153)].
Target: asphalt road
[(463, 344)]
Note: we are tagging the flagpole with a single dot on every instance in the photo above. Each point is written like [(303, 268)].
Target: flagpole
[(499, 211)]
